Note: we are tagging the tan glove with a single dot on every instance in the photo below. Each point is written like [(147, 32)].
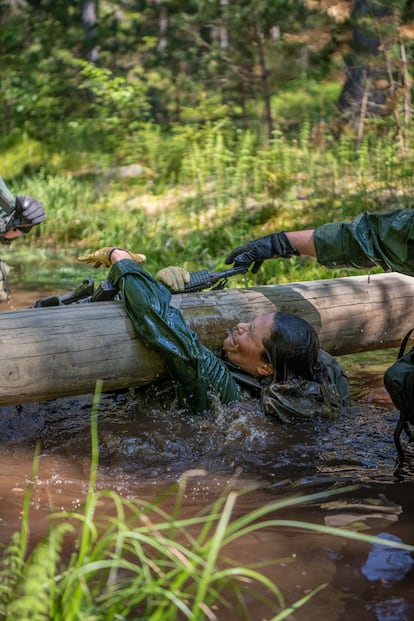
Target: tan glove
[(173, 277), (102, 257)]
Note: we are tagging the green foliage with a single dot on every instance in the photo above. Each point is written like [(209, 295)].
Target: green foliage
[(69, 218), (200, 193), (34, 591), (305, 97), (252, 63), (11, 571), (119, 105), (21, 155)]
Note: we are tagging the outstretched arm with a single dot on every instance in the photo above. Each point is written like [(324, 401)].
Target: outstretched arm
[(18, 215), (368, 240), (281, 245), (303, 241), (195, 368)]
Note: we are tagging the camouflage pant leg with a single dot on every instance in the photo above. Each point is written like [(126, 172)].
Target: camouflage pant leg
[(5, 292)]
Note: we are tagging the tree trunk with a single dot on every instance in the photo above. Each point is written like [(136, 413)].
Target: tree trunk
[(60, 351), (89, 22), (362, 62), (264, 75)]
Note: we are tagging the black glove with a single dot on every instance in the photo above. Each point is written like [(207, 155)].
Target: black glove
[(275, 245), (27, 213)]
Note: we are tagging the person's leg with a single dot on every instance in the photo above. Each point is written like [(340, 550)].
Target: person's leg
[(5, 292)]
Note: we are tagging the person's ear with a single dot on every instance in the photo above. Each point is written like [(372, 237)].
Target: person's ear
[(265, 369)]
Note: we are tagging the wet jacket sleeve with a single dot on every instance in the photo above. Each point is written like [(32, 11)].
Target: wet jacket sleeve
[(197, 371), (369, 240)]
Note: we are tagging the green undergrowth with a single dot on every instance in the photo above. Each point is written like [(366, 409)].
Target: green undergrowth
[(197, 194)]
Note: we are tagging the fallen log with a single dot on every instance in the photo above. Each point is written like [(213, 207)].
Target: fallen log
[(53, 352)]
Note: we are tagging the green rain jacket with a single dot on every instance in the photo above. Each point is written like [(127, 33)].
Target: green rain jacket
[(198, 372), (369, 240), (196, 369)]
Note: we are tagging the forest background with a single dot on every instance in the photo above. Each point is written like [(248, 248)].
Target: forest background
[(181, 128)]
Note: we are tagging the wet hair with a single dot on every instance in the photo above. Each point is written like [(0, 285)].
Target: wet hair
[(292, 348)]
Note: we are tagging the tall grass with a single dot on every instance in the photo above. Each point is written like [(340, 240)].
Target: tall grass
[(205, 190), (129, 559)]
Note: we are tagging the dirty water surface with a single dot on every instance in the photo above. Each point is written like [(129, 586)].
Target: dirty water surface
[(146, 445)]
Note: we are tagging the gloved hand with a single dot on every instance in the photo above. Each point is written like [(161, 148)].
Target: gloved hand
[(27, 213), (103, 257), (275, 245), (173, 277)]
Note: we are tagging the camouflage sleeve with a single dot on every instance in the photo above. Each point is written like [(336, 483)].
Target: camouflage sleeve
[(369, 240), (197, 371), (7, 203)]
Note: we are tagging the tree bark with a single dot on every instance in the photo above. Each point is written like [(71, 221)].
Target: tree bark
[(89, 19), (53, 352), (363, 68), (264, 74)]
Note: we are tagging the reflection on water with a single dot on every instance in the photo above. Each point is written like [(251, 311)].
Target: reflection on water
[(384, 563), (146, 444)]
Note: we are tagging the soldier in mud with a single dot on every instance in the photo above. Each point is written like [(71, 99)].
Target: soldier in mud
[(18, 215), (275, 356), (369, 240)]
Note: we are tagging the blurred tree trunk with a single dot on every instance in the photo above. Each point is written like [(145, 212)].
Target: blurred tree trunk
[(265, 79), (367, 81), (89, 17)]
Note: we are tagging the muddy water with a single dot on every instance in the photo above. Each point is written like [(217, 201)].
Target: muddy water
[(146, 445)]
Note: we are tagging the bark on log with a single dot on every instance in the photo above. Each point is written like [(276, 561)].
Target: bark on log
[(53, 352)]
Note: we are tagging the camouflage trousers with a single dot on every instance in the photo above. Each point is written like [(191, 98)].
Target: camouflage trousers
[(5, 293)]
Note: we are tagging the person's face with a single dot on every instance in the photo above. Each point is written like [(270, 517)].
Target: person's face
[(244, 345)]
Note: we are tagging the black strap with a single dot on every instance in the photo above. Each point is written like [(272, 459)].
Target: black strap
[(244, 379), (404, 343)]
